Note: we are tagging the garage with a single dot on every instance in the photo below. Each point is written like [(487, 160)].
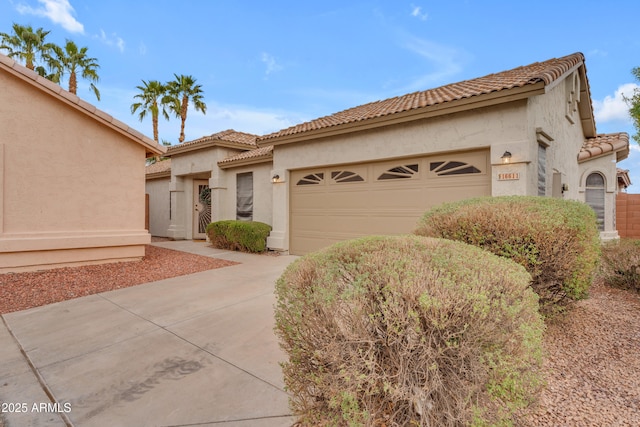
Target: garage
[(341, 202)]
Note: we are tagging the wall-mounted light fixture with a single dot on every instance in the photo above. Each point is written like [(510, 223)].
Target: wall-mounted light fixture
[(275, 178), (506, 157)]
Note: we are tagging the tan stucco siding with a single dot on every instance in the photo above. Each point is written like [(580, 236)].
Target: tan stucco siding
[(63, 171), (69, 181)]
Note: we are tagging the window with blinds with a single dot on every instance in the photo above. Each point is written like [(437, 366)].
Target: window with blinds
[(594, 196), (244, 199)]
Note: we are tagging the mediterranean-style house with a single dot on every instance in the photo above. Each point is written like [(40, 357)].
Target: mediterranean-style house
[(71, 178), (376, 168)]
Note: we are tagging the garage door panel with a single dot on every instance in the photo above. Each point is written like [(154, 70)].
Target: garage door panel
[(387, 197)]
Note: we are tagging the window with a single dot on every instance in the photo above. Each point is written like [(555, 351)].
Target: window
[(594, 195), (542, 170), (314, 178), (400, 172), (346, 176), (452, 168), (244, 199)]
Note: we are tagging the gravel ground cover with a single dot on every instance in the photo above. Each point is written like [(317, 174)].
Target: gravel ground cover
[(593, 364), (19, 291)]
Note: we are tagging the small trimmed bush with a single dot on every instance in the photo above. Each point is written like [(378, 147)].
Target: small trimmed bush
[(620, 264), (245, 236), (406, 330), (556, 240)]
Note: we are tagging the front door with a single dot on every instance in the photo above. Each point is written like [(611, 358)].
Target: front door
[(202, 208)]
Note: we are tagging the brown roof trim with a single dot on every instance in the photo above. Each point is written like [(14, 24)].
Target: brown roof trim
[(259, 155), (227, 138), (505, 86), (12, 67), (604, 144)]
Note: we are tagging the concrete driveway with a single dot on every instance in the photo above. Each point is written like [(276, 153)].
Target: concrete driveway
[(195, 350)]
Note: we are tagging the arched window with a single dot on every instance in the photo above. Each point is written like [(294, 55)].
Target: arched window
[(594, 194)]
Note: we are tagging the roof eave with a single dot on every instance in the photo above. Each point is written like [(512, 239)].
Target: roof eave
[(156, 175), (208, 144), (80, 105), (246, 162), (450, 107)]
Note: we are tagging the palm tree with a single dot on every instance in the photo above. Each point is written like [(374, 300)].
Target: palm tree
[(150, 93), (180, 92), (73, 61), (27, 45)]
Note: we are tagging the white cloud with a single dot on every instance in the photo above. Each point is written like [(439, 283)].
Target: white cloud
[(416, 12), (58, 11), (246, 119), (111, 40), (270, 62), (446, 62), (614, 108)]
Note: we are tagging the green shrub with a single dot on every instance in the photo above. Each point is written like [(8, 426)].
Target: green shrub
[(245, 236), (408, 330), (556, 240), (620, 264)]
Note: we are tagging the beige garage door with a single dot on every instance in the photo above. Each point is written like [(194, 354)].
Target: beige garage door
[(332, 204)]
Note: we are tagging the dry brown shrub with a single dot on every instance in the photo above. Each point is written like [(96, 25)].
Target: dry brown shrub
[(556, 240), (620, 264), (396, 331)]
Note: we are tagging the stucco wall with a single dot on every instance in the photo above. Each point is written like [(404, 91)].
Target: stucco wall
[(69, 183), (159, 204), (548, 112), (262, 192), (185, 167), (497, 127)]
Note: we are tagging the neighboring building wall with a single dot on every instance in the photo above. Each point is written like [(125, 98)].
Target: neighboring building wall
[(73, 188), (628, 215), (159, 204)]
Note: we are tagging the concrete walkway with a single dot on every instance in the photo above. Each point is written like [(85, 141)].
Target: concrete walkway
[(196, 350)]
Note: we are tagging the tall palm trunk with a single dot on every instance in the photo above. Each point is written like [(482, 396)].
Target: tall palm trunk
[(73, 83), (154, 121), (183, 116)]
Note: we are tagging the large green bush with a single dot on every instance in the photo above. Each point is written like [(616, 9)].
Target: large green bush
[(556, 240), (620, 264), (246, 236), (407, 330)]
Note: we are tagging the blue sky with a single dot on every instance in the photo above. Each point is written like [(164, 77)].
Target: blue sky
[(264, 66)]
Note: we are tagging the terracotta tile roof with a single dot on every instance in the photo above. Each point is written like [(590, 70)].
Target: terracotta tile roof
[(263, 153), (546, 72), (603, 144), (158, 167), (229, 136), (57, 91)]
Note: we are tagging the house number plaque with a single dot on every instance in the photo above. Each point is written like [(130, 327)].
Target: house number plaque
[(508, 176)]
